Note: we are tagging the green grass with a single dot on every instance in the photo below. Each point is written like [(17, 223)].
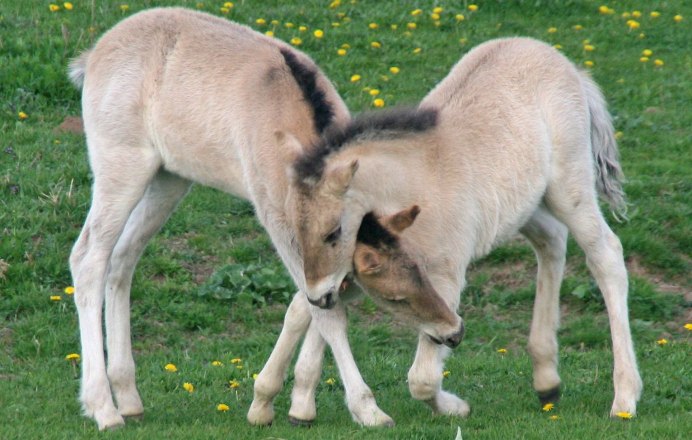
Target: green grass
[(44, 196)]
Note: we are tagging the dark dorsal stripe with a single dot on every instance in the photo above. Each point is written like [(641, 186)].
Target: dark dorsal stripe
[(373, 125), (306, 77), (372, 233)]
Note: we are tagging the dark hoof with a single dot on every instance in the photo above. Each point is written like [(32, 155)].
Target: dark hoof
[(549, 396), (299, 422)]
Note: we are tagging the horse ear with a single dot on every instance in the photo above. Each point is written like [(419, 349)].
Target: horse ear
[(366, 260), (291, 149), (339, 178), (401, 220)]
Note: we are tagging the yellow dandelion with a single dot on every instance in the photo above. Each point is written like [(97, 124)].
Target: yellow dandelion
[(289, 25), (319, 33), (678, 18), (473, 8), (624, 415), (589, 47), (463, 41), (296, 41), (394, 70), (554, 417), (643, 59), (55, 298), (658, 62), (255, 376), (124, 7), (636, 14), (502, 350), (239, 367), (355, 78), (374, 92), (605, 10), (435, 16), (341, 52), (438, 10), (655, 14), (261, 21), (394, 27), (548, 407), (187, 386), (417, 50), (73, 357), (199, 5), (552, 30), (633, 24), (222, 407), (330, 381), (642, 36), (625, 15), (53, 8), (269, 34), (446, 373), (416, 12), (375, 44), (411, 26), (647, 52), (688, 326), (557, 46), (68, 6), (346, 46), (224, 10), (373, 26), (302, 28), (22, 116), (662, 341), (228, 5), (216, 363), (577, 27), (459, 17), (589, 63), (274, 22), (233, 383), (69, 290), (171, 368), (619, 134)]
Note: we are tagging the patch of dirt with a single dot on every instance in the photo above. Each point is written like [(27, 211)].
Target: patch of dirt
[(71, 124), (635, 267), (203, 265)]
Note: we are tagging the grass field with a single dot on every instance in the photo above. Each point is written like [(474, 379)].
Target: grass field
[(190, 308)]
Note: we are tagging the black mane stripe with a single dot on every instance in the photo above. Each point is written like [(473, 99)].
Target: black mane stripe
[(372, 233), (388, 123), (306, 77)]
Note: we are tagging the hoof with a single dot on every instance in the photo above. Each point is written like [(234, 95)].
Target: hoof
[(549, 396), (299, 422), (133, 417)]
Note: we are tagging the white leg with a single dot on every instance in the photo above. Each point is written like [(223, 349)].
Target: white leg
[(308, 371), (115, 194), (549, 240), (361, 403), (425, 379), (580, 212), (270, 380), (160, 199)]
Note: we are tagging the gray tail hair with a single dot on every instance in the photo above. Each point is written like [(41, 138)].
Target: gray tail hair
[(609, 176), (77, 69)]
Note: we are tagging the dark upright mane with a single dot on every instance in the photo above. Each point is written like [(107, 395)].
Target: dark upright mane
[(373, 234), (382, 124), (306, 77)]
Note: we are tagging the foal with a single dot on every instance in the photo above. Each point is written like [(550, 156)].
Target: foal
[(171, 97), (516, 138)]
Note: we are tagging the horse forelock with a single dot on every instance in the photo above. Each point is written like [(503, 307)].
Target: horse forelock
[(372, 233), (381, 125), (306, 77)]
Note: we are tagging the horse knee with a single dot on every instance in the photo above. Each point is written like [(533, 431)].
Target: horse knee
[(422, 388)]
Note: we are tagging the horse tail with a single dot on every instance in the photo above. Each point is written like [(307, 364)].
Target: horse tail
[(609, 176), (77, 69)]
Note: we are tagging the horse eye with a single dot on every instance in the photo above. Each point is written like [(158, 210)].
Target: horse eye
[(333, 236)]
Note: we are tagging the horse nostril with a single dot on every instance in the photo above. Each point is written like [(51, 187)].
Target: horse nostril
[(456, 338)]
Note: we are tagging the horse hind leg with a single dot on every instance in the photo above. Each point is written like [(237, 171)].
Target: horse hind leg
[(574, 203), (160, 199), (121, 175), (548, 237)]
